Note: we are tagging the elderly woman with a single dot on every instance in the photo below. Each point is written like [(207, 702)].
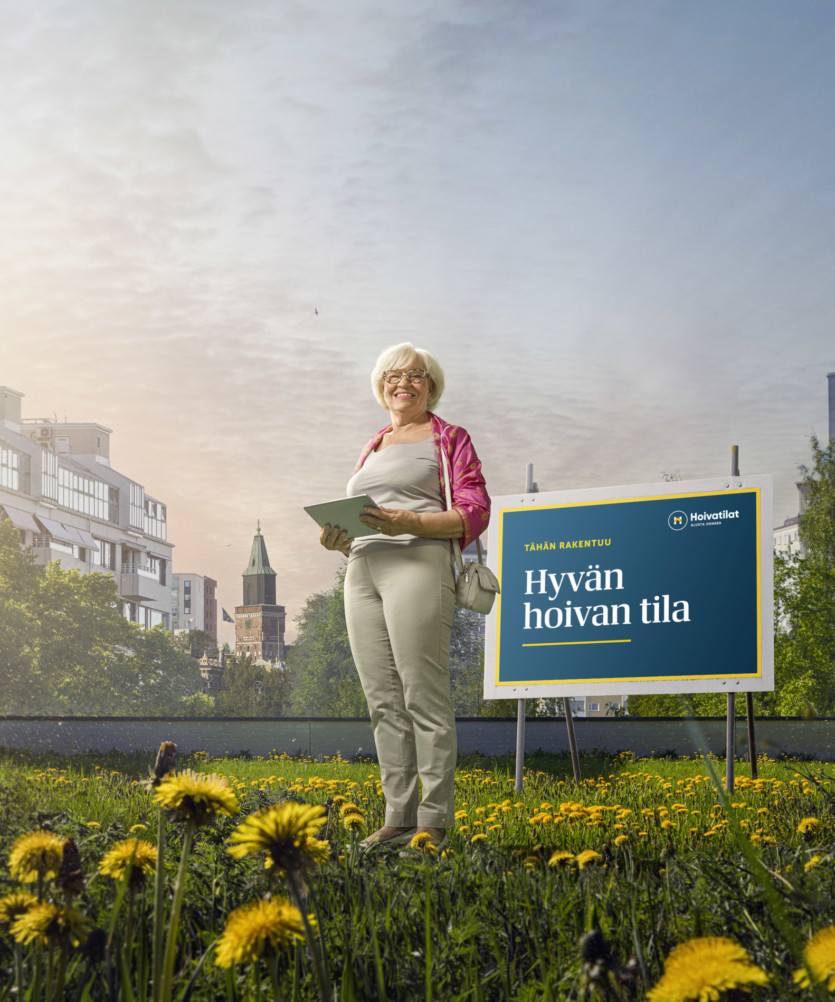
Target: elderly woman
[(400, 589)]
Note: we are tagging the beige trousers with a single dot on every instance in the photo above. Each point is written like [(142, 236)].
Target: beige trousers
[(399, 604)]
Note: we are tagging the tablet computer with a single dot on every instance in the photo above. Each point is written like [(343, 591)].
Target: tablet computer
[(345, 513)]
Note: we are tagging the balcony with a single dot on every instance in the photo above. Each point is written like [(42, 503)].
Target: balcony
[(138, 583)]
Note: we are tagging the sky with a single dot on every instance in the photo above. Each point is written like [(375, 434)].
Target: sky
[(611, 222)]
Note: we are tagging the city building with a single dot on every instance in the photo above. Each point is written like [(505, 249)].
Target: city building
[(211, 673), (194, 603), (259, 622), (58, 489)]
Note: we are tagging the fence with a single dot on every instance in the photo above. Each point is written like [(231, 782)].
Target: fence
[(320, 737)]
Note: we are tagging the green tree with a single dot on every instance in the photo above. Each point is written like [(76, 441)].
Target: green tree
[(804, 647), (196, 643), (199, 704), (252, 690), (66, 648), (323, 678), (466, 663), (20, 678)]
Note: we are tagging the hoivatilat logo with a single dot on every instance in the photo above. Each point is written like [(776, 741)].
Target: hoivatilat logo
[(677, 520)]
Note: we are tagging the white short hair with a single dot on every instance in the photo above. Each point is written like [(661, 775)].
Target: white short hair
[(399, 355)]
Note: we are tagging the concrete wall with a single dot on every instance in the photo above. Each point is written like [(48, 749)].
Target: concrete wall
[(490, 736)]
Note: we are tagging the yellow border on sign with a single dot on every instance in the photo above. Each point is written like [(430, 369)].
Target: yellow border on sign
[(756, 491)]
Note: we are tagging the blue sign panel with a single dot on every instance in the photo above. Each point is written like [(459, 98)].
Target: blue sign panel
[(625, 590)]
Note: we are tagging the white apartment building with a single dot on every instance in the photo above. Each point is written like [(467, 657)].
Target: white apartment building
[(58, 489), (194, 603)]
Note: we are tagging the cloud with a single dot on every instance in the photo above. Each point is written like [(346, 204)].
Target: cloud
[(609, 222)]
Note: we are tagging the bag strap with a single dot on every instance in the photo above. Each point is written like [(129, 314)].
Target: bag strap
[(456, 546)]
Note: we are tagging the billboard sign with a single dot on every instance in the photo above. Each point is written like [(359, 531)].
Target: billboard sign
[(656, 588)]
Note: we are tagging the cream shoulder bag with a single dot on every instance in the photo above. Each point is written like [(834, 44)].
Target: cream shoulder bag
[(476, 586)]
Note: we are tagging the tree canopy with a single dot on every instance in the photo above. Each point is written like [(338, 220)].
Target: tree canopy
[(66, 648)]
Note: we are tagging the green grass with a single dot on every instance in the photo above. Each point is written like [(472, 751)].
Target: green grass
[(490, 919)]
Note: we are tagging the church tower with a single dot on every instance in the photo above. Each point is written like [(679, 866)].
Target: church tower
[(259, 622)]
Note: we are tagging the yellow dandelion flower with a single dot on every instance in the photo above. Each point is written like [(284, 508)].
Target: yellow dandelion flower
[(478, 838), (588, 858), (621, 839), (51, 925), (36, 856), (819, 957), (284, 832), (353, 822), (195, 797), (348, 808), (133, 853), (561, 858), (809, 827), (12, 906), (258, 930), (137, 828), (702, 969), (423, 841), (813, 862), (667, 823)]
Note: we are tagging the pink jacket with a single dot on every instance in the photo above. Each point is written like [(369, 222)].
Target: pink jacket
[(469, 493)]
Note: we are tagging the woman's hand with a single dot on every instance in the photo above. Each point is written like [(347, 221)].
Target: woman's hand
[(335, 539), (396, 521), (391, 521)]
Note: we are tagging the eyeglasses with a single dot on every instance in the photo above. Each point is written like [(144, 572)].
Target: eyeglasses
[(415, 376)]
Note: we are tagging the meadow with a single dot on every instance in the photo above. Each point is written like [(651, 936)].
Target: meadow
[(560, 892)]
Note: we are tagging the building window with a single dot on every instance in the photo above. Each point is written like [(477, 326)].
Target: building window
[(156, 519), (9, 468), (137, 506), (49, 479), (105, 555), (113, 505), (83, 494), (594, 707)]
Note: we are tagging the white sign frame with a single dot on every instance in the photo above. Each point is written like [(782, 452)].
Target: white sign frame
[(495, 688)]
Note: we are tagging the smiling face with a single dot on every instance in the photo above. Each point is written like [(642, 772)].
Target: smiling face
[(407, 401)]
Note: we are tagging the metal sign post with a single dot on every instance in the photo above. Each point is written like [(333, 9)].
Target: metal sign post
[(521, 703), (532, 488), (749, 696)]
